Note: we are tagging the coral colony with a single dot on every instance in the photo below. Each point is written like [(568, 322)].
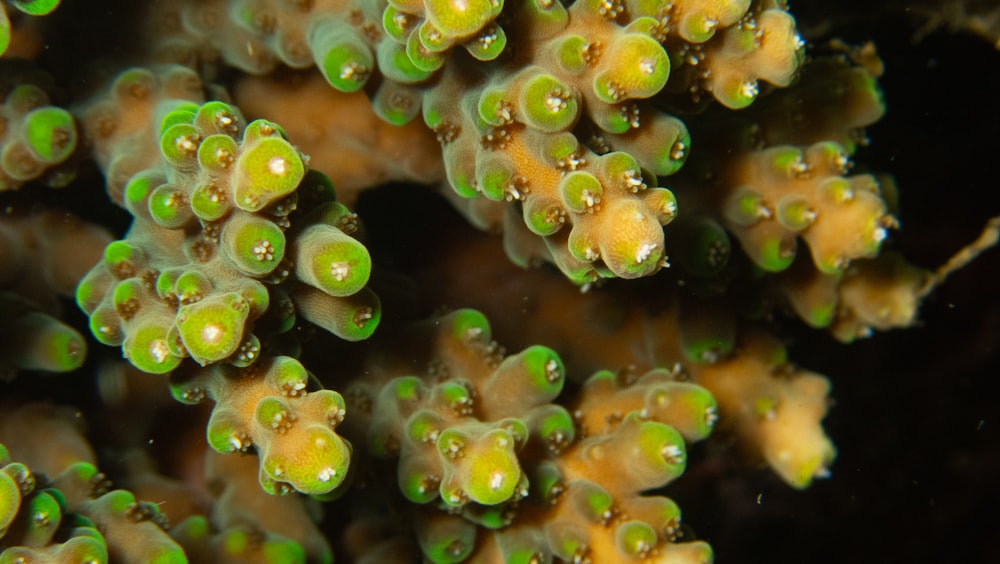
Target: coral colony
[(599, 141)]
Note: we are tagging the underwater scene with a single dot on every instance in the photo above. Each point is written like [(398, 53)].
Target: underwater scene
[(488, 281)]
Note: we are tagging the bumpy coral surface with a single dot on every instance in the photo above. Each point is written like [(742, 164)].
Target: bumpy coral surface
[(229, 221)]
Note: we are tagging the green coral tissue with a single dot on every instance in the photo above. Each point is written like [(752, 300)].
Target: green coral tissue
[(490, 281)]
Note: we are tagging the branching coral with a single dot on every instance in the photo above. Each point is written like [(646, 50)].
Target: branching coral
[(692, 172)]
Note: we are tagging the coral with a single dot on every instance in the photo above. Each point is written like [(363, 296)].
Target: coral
[(30, 8), (508, 123), (302, 234), (479, 436), (36, 137), (191, 278), (44, 255)]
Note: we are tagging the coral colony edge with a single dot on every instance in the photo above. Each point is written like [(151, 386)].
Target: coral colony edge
[(493, 281)]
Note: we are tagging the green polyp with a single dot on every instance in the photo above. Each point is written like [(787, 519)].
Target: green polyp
[(342, 57), (461, 173), (555, 427), (396, 104), (516, 428), (660, 448), (736, 93), (493, 176), (331, 261), (470, 326), (580, 191), (331, 404), (4, 31), (493, 107), (36, 7), (247, 353), (147, 349), (836, 190), (262, 129), (461, 19), (559, 146), (455, 395), (334, 214), (786, 161), (396, 24), (267, 170), (256, 294), (283, 551), (86, 546), (10, 501), (121, 258), (138, 189), (51, 133), (351, 318), (210, 202), (423, 426), (490, 472), (235, 542), (621, 171), (821, 315), (217, 117), (662, 203), (179, 145), (431, 38), (668, 153), (273, 413), (127, 297), (421, 57), (698, 27), (212, 329), (316, 471), (105, 325), (407, 388), (168, 207), (167, 553), (224, 431), (449, 544), (417, 486), (52, 345), (612, 118), (667, 516), (636, 539), (175, 344), (571, 53), (795, 213), (746, 207), (544, 369), (255, 245), (775, 254), (188, 286), (42, 517), (546, 481), (592, 501), (182, 114), (543, 216), (287, 375), (217, 153), (131, 81), (488, 44), (549, 104), (491, 517), (640, 69), (582, 245), (396, 64)]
